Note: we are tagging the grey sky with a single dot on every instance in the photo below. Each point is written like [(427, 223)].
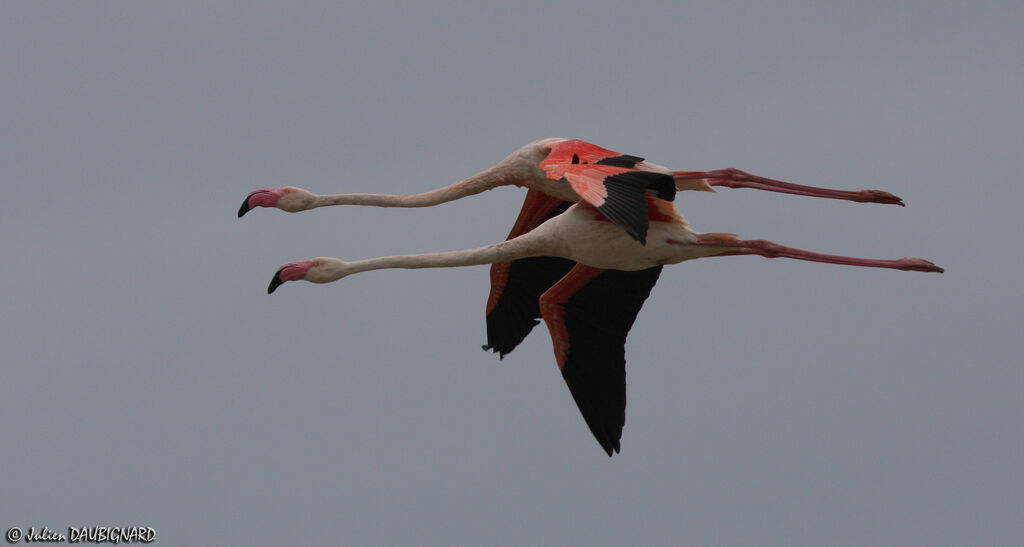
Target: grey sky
[(148, 379)]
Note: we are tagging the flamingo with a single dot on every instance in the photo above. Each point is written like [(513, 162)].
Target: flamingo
[(570, 170), (592, 278)]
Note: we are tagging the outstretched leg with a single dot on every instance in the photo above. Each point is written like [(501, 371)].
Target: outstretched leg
[(769, 249), (734, 178)]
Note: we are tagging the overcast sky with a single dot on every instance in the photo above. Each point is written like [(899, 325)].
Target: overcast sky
[(148, 379)]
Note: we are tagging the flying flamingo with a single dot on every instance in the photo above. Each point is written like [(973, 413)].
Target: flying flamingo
[(570, 170), (590, 308)]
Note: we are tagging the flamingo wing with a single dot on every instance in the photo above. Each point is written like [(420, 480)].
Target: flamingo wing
[(589, 313), (618, 193), (572, 151), (517, 310), (614, 183), (512, 306)]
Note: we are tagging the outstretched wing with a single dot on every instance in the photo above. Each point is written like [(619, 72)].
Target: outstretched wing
[(619, 194), (589, 314), (517, 311), (512, 306), (609, 181)]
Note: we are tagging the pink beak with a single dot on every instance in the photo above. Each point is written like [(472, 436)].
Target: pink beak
[(264, 197), (292, 271)]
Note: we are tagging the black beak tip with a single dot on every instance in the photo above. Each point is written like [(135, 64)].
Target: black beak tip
[(275, 282), (244, 208)]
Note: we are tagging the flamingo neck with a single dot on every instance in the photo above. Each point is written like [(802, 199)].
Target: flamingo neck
[(498, 175), (505, 251)]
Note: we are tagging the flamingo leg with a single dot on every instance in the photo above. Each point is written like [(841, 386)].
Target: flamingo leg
[(770, 249), (734, 178)]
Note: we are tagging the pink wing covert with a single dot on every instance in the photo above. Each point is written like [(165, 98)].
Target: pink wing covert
[(583, 152), (587, 180)]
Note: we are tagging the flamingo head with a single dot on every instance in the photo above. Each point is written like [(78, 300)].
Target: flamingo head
[(289, 199), (317, 270)]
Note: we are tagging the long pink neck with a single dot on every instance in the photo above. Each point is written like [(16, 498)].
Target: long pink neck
[(504, 251), (493, 177)]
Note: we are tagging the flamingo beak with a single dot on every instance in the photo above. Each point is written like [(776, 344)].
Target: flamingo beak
[(264, 197), (292, 271), (276, 281), (245, 207)]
